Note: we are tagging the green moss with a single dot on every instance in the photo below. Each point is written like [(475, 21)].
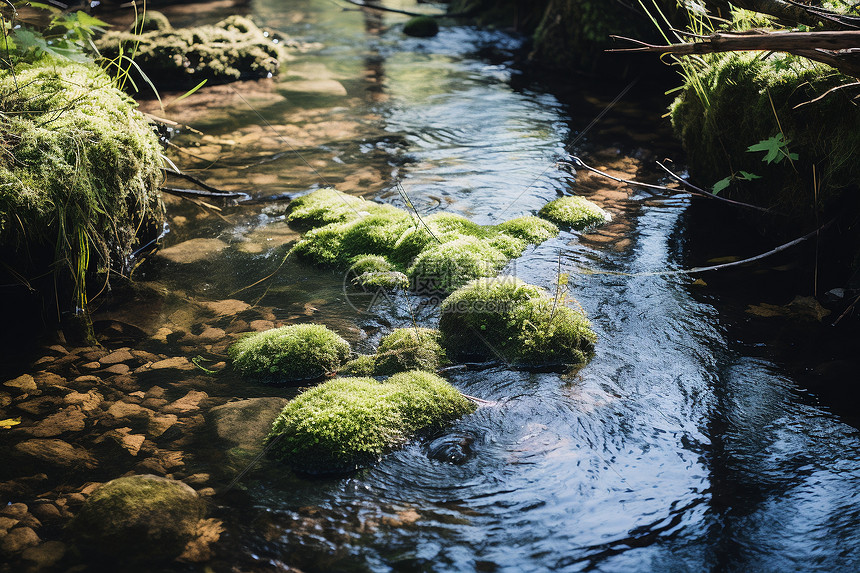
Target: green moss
[(505, 318), (437, 253), (441, 268), (291, 353), (363, 365), (79, 173), (327, 205), (409, 349), (575, 212), (421, 27), (233, 49), (531, 229), (348, 423), (726, 107), (142, 517)]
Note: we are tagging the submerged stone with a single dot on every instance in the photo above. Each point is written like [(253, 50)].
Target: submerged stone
[(141, 517), (233, 49), (506, 319), (291, 353), (349, 423), (575, 212), (421, 27)]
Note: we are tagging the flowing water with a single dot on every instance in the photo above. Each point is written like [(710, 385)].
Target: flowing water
[(677, 448)]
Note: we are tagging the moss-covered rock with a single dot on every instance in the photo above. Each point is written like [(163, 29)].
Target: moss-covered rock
[(574, 212), (348, 423), (505, 318), (138, 518), (409, 349), (421, 27), (386, 245), (726, 107), (233, 49), (362, 365), (79, 174), (290, 353)]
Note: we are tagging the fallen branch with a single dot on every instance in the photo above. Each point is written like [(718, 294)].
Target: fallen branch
[(838, 49), (238, 195)]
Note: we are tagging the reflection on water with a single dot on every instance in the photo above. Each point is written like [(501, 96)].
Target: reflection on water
[(673, 450)]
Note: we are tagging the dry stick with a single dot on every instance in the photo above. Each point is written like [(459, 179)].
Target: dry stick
[(698, 191), (197, 181), (406, 13), (827, 93)]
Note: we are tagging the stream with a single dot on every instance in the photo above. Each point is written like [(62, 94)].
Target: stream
[(681, 446)]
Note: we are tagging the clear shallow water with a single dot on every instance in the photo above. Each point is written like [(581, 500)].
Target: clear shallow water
[(675, 449)]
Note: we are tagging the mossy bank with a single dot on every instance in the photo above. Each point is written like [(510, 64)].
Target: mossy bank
[(79, 175)]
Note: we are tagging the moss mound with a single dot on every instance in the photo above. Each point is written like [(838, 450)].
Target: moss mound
[(726, 108), (290, 353), (421, 27), (409, 349), (386, 245), (520, 323), (233, 49), (574, 212), (142, 517), (363, 365), (349, 423), (79, 173)]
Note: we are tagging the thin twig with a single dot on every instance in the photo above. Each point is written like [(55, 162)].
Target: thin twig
[(197, 181), (703, 193), (580, 163), (238, 195)]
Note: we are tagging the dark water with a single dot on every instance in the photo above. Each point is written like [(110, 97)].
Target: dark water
[(678, 448)]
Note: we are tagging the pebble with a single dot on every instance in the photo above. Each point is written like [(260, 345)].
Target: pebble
[(92, 365), (18, 539), (177, 363), (5, 399), (87, 401), (23, 383), (187, 404), (157, 425), (7, 523), (123, 438), (14, 510), (46, 511), (70, 419), (117, 356), (57, 453), (227, 307), (45, 555), (197, 479), (211, 334), (261, 325), (118, 369)]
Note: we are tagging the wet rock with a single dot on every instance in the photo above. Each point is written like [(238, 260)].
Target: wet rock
[(243, 425), (151, 466), (17, 540), (175, 363), (199, 549), (23, 383), (211, 334), (187, 404), (29, 520), (5, 399), (57, 453), (145, 356), (162, 334), (193, 250), (261, 325), (40, 406), (91, 365), (7, 523), (159, 424), (170, 460), (126, 410), (46, 511), (227, 307), (44, 360), (124, 439), (118, 369), (45, 555), (117, 356), (14, 511), (143, 517), (49, 379), (87, 402), (22, 486), (453, 448), (70, 419), (197, 479), (86, 380)]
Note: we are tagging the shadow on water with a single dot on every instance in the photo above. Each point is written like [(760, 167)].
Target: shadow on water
[(678, 448)]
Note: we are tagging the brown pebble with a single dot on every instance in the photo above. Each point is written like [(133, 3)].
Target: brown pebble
[(118, 369), (91, 365), (156, 392), (14, 510), (177, 363), (90, 487), (45, 555), (18, 540), (261, 325), (206, 491), (46, 511), (145, 356), (7, 523), (87, 378), (117, 356), (44, 360), (197, 479), (211, 334), (30, 520), (75, 499), (23, 383)]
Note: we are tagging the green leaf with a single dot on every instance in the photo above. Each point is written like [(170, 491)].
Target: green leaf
[(771, 147), (721, 184), (747, 176), (90, 21)]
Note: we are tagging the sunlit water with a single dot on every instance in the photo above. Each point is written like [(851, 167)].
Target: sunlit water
[(672, 450)]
